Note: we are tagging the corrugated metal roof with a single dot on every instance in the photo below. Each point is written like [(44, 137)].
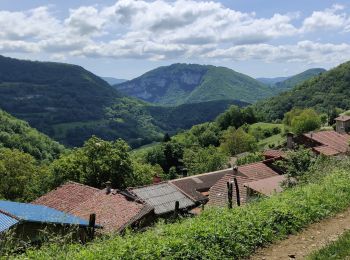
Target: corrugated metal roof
[(6, 222), (162, 197), (37, 213)]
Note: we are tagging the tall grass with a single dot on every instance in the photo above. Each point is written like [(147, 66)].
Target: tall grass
[(222, 233)]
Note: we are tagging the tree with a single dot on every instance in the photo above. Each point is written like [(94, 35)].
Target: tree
[(237, 141), (166, 138), (18, 175), (201, 160), (94, 164), (236, 117), (308, 120)]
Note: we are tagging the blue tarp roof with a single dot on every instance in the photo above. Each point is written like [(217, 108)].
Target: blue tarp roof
[(6, 222), (25, 212)]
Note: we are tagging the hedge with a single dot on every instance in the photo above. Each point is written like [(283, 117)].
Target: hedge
[(220, 233)]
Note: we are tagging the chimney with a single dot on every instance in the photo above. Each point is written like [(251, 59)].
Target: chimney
[(235, 170), (184, 172), (290, 141), (108, 187), (156, 179)]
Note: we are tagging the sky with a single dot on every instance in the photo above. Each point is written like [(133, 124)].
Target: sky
[(126, 38)]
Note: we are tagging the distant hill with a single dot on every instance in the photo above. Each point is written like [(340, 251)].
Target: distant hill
[(295, 80), (284, 83), (112, 81), (17, 134), (271, 81), (191, 83), (69, 104), (324, 92)]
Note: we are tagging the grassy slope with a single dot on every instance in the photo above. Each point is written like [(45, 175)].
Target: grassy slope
[(222, 233), (324, 92), (189, 83), (339, 249), (274, 140)]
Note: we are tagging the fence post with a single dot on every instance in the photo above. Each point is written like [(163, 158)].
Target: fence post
[(177, 207), (92, 221), (237, 192), (229, 194)]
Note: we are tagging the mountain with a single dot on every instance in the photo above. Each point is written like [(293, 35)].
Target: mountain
[(295, 80), (271, 81), (69, 104), (324, 92), (112, 81), (17, 134), (191, 83)]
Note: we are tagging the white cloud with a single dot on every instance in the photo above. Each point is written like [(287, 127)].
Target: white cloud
[(329, 19), (162, 29)]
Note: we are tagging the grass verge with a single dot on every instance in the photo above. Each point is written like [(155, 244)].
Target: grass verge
[(339, 249)]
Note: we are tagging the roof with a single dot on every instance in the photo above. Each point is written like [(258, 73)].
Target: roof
[(114, 211), (343, 118), (326, 150), (267, 186), (194, 186), (24, 212), (244, 174), (332, 139), (162, 197), (6, 221), (67, 196), (274, 154)]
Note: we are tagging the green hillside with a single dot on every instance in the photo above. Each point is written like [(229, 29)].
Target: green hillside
[(325, 92), (70, 104), (190, 83), (295, 80), (17, 134)]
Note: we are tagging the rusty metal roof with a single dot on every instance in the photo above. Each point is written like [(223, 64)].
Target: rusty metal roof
[(267, 186)]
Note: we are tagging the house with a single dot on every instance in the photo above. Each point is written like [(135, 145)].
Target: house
[(115, 210), (163, 196), (249, 183), (197, 187), (343, 124), (27, 221), (271, 154), (329, 143)]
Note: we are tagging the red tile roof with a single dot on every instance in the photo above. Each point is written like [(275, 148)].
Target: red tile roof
[(67, 197), (268, 154), (267, 186), (114, 211), (244, 174), (325, 150), (332, 139), (343, 118)]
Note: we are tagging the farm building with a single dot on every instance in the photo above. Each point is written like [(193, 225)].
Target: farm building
[(261, 178), (343, 124), (115, 210), (27, 222)]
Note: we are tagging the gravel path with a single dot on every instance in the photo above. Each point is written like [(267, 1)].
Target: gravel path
[(310, 239)]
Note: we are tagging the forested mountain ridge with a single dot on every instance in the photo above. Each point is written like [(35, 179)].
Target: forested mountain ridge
[(17, 134), (325, 92), (191, 83), (70, 104), (297, 79)]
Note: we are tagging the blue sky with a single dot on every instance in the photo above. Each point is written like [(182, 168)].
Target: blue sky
[(125, 38)]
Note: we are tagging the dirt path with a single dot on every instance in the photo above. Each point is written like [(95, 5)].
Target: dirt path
[(312, 238)]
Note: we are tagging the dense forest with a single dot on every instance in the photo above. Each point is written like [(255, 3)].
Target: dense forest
[(325, 93)]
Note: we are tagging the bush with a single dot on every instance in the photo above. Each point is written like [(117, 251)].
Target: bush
[(221, 233)]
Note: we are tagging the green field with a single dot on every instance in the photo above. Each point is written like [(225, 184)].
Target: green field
[(272, 141)]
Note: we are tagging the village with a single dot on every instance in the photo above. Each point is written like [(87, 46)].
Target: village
[(94, 212)]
